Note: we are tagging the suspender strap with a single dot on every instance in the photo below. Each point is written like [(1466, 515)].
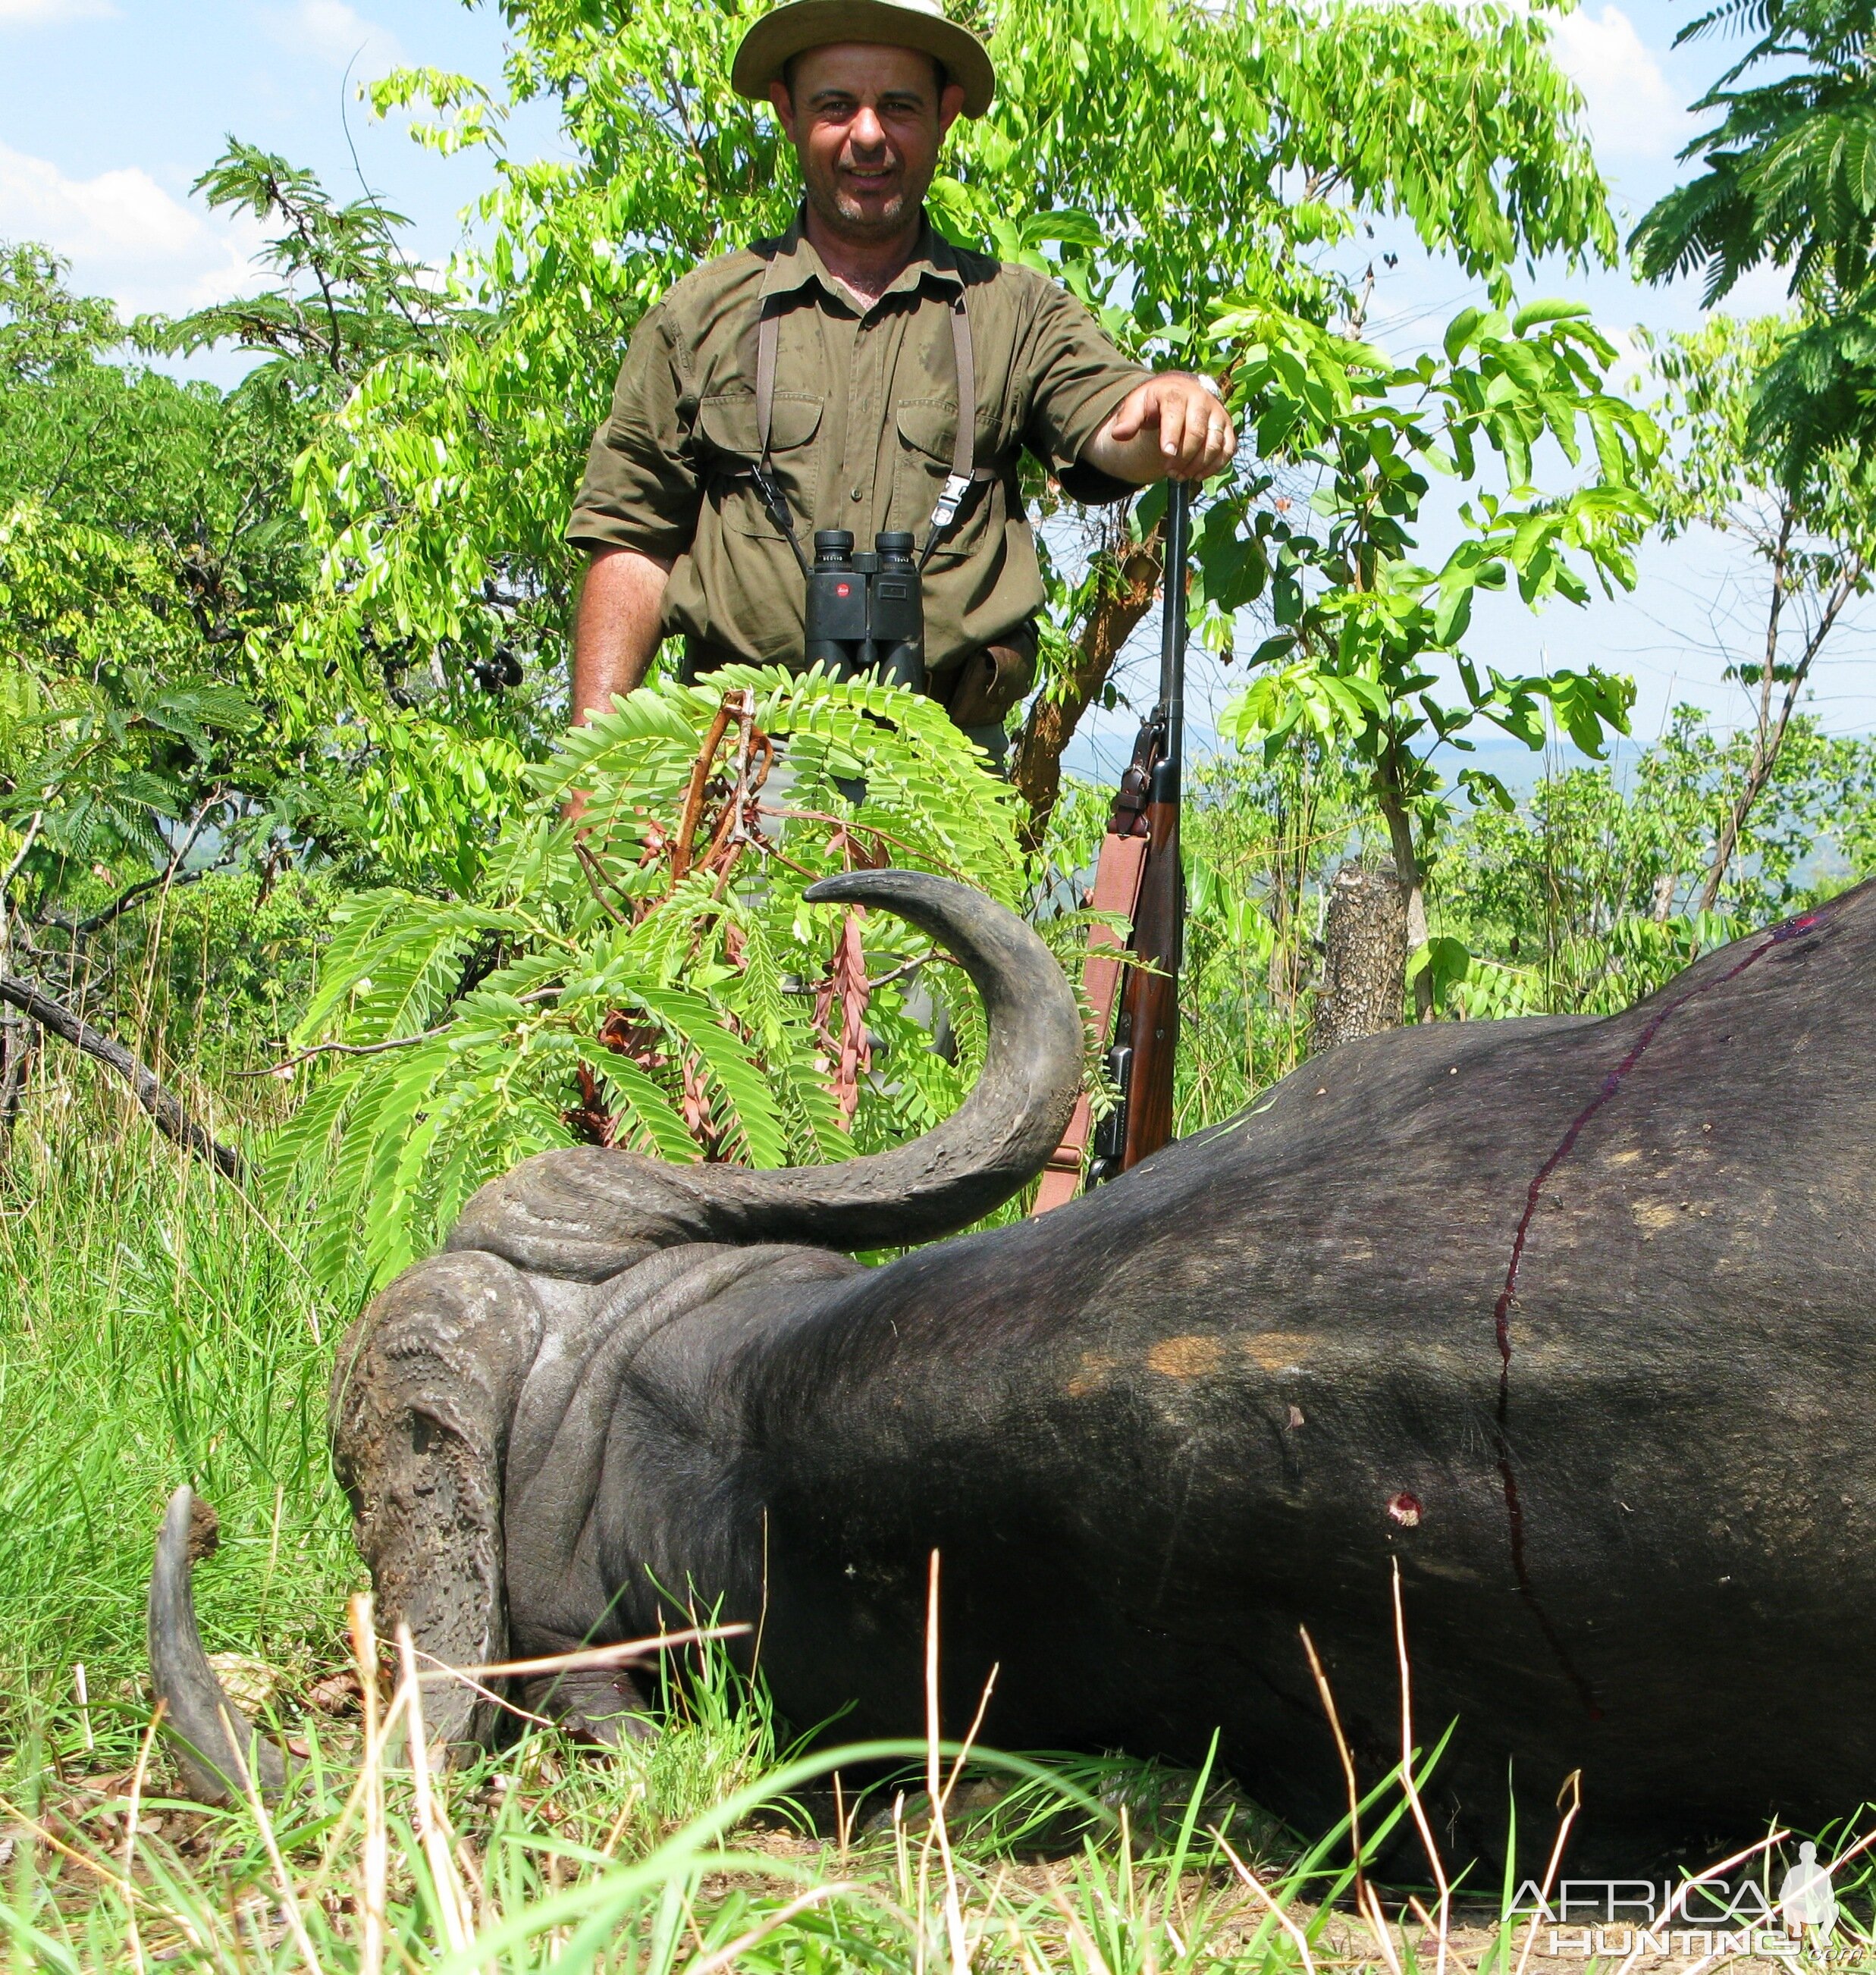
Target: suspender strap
[(767, 341), (963, 451), (1116, 890), (774, 502)]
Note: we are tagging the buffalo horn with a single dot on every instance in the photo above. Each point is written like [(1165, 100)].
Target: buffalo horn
[(214, 1743), (584, 1213), (1001, 1136)]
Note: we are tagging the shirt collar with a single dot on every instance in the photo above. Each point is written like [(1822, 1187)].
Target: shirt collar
[(795, 263)]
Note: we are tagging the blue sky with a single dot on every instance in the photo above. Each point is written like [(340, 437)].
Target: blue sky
[(110, 108), (1698, 604)]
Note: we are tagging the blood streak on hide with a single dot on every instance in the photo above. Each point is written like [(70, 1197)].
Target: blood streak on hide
[(1501, 1312)]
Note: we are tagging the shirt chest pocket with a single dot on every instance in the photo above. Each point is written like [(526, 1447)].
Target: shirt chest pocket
[(727, 423), (927, 431)]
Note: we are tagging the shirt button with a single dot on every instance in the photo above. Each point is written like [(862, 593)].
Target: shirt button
[(856, 495)]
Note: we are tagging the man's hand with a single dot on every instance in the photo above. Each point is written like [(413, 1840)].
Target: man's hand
[(1171, 427)]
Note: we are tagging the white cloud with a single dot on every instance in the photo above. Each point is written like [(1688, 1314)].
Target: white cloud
[(1629, 371), (331, 31), (52, 13), (127, 236), (1632, 111)]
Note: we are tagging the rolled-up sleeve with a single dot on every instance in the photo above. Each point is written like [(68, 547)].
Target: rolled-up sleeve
[(1078, 379), (641, 490)]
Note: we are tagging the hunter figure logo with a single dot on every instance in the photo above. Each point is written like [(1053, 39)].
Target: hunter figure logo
[(1696, 1920), (1805, 1896)]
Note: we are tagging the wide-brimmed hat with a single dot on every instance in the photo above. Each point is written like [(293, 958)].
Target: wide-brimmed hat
[(789, 30)]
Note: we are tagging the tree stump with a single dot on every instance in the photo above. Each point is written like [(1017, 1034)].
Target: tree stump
[(1364, 958)]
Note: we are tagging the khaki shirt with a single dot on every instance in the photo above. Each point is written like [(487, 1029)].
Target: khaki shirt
[(865, 415)]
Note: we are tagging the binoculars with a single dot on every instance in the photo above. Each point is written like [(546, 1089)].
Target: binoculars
[(866, 611)]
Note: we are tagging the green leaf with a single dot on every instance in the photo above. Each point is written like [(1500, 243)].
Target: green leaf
[(1536, 315), (645, 1110)]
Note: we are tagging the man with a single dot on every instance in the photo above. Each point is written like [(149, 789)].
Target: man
[(871, 321)]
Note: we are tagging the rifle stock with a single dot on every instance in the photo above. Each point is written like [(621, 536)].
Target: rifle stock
[(1139, 859), (1150, 1009)]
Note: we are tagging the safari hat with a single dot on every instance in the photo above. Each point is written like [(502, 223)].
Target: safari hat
[(789, 30)]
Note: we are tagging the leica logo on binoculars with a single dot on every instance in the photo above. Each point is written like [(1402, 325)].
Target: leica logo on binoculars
[(866, 609)]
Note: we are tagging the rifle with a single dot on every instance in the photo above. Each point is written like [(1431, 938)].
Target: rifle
[(1139, 875)]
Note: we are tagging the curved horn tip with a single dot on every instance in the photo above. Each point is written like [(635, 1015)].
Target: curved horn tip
[(539, 1216), (202, 1722), (854, 887), (979, 928)]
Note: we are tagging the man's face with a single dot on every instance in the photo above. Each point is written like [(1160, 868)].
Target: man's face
[(867, 122)]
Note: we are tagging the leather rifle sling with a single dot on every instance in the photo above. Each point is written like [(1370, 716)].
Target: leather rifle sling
[(1116, 890), (964, 470)]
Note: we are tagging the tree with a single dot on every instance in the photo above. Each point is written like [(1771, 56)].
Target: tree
[(354, 704), (149, 553), (140, 553), (152, 560), (1292, 126), (1363, 631), (345, 296), (1587, 896), (656, 981), (1814, 544), (1789, 181)]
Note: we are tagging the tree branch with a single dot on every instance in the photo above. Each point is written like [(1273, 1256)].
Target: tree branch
[(132, 895), (379, 1049), (165, 1108), (1769, 737), (352, 1049), (25, 850), (297, 215), (171, 876), (1123, 598)]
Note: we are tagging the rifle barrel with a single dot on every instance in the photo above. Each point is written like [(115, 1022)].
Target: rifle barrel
[(1172, 623)]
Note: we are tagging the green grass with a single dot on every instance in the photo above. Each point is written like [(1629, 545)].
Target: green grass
[(153, 1330)]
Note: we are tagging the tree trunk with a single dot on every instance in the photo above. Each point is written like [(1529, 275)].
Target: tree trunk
[(17, 1038), (1391, 790), (1364, 964), (1125, 596), (1765, 748), (1770, 728)]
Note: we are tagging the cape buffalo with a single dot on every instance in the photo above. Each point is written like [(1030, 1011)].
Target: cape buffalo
[(1570, 1317)]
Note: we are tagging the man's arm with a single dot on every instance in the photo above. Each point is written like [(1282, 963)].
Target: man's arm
[(617, 627), (1171, 427)]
